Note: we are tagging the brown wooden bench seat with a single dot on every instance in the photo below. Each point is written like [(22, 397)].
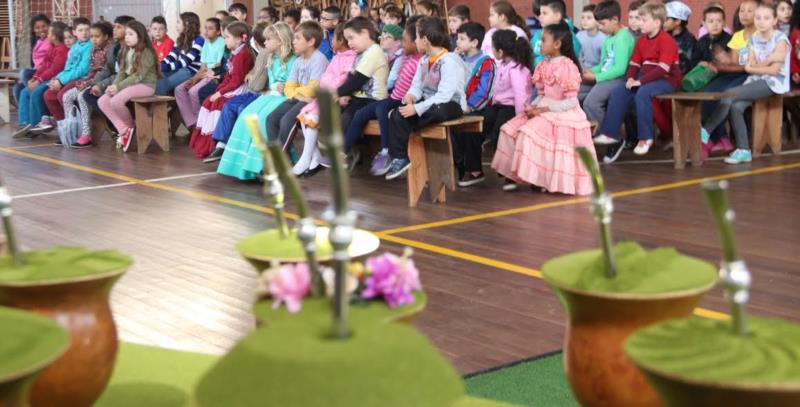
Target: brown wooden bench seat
[(768, 122), (431, 155), (152, 122)]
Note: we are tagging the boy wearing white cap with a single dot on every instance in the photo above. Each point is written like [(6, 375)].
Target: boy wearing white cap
[(677, 20)]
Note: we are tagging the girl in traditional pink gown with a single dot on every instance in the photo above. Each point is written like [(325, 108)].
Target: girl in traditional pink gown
[(538, 147)]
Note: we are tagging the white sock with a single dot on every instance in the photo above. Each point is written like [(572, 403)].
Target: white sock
[(315, 158), (221, 144), (309, 146), (384, 151)]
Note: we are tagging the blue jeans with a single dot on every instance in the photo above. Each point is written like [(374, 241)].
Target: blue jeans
[(378, 109), (721, 83), (31, 105), (171, 80), (24, 76), (642, 98), (207, 91), (230, 111)]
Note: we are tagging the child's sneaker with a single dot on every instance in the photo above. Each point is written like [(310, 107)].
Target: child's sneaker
[(510, 185), (612, 153), (398, 168), (604, 140), (21, 132), (722, 145), (380, 164), (643, 147), (704, 136), (45, 125), (739, 156), (125, 139), (83, 142), (469, 179)]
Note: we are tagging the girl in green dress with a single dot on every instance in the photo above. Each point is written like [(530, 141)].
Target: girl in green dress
[(241, 158)]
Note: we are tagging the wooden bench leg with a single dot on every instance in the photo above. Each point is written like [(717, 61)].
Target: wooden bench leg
[(418, 173), (5, 102), (161, 126), (144, 126), (686, 132), (441, 171), (767, 122)]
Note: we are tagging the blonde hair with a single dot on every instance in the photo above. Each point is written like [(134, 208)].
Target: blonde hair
[(655, 10), (283, 32)]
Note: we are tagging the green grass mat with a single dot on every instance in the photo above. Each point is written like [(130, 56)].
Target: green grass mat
[(539, 381), (158, 377)]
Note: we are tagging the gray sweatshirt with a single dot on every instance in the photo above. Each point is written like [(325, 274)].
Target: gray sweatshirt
[(428, 87)]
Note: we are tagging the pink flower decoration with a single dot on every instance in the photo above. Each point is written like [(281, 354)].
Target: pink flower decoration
[(290, 285), (394, 278)]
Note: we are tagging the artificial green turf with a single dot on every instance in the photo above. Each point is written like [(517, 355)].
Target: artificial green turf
[(639, 271), (708, 350), (62, 263), (538, 382), (27, 342), (154, 377), (293, 364), (158, 377)]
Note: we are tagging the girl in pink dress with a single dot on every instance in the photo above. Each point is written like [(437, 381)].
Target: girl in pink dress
[(538, 147), (333, 77)]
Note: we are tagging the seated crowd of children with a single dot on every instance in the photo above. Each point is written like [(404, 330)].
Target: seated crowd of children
[(542, 87)]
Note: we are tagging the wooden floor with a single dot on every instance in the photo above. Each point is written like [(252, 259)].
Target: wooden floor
[(478, 254)]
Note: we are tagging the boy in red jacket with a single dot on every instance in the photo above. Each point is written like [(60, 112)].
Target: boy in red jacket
[(653, 70), (31, 99)]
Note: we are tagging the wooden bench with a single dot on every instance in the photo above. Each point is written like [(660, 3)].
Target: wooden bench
[(687, 109), (768, 122), (152, 122), (5, 99), (431, 154)]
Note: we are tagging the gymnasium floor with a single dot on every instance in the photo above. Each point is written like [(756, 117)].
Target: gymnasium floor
[(479, 253)]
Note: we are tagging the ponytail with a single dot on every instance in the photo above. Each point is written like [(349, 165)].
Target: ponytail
[(517, 48), (523, 53), (561, 31)]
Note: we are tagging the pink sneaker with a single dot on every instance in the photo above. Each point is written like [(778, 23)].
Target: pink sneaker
[(83, 142), (724, 145)]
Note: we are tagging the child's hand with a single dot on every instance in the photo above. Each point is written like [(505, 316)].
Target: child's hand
[(409, 99), (407, 110), (111, 90), (188, 84), (709, 66), (589, 76), (279, 87), (95, 90), (209, 74), (32, 84), (344, 101), (632, 83), (215, 96), (55, 85)]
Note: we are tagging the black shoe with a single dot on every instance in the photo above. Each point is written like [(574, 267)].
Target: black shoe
[(631, 144), (215, 155), (312, 171), (510, 185), (612, 153), (58, 142), (469, 179)]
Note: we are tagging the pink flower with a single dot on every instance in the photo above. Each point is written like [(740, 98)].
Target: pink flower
[(394, 278), (290, 284)]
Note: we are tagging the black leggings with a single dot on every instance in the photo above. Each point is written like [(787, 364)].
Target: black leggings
[(401, 127), (467, 146)]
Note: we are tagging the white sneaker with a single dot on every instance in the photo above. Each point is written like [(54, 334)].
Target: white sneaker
[(604, 140), (643, 147)]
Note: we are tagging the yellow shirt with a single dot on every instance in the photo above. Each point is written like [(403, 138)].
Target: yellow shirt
[(372, 64), (738, 41)]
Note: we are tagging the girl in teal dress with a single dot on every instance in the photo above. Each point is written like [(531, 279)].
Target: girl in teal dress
[(241, 158)]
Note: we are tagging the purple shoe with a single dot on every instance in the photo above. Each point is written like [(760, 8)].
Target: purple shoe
[(380, 164)]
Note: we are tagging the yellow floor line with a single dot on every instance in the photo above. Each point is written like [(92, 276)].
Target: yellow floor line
[(382, 235), (32, 146), (120, 177), (703, 312), (573, 201)]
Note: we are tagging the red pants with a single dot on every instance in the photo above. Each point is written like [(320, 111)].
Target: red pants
[(53, 100), (662, 116)]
